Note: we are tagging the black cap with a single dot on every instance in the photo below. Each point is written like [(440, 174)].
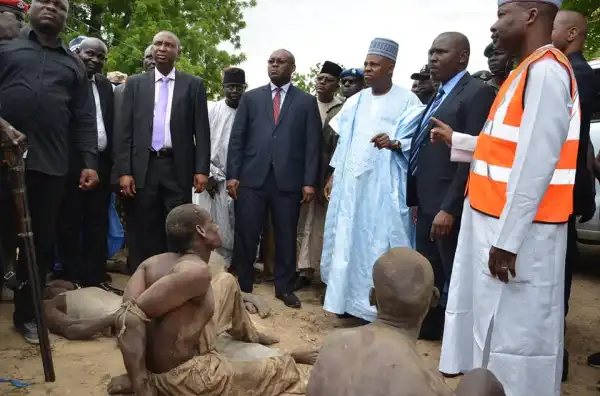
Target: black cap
[(332, 68), (424, 74), (234, 75)]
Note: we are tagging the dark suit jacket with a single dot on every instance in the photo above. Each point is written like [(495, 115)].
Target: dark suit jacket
[(105, 92), (584, 202), (440, 184), (190, 131), (292, 145)]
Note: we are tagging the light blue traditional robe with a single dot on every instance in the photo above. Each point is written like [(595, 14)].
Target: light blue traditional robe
[(367, 214)]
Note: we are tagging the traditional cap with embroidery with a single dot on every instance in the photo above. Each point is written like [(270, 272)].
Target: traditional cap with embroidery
[(76, 42), (332, 69), (424, 74), (18, 5), (557, 3), (384, 47), (353, 73), (234, 75)]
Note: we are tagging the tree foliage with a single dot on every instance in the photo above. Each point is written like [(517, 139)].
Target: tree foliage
[(591, 9), (128, 27), (307, 81)]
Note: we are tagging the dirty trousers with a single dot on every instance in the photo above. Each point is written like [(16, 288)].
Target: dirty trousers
[(213, 374)]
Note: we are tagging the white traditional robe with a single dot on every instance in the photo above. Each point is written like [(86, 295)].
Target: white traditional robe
[(220, 117), (515, 329), (367, 214)]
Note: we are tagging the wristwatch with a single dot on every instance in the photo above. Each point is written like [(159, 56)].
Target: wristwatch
[(395, 145)]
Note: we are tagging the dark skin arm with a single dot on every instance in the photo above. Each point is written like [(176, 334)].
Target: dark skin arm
[(312, 151), (73, 329), (202, 136), (187, 281)]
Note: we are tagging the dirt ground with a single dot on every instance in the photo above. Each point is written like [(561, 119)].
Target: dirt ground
[(84, 368)]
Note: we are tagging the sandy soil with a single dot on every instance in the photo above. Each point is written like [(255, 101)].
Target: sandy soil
[(84, 368)]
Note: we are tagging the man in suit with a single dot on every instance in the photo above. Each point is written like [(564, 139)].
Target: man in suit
[(273, 162), (83, 228), (162, 146), (436, 186), (569, 35)]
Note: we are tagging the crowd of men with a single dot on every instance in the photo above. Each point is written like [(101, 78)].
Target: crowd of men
[(363, 184)]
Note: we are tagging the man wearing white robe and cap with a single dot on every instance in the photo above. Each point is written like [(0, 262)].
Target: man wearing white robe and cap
[(215, 199), (367, 214), (506, 302)]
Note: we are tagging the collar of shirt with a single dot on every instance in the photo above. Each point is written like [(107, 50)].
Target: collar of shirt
[(450, 84), (159, 76), (30, 34), (284, 88), (93, 78)]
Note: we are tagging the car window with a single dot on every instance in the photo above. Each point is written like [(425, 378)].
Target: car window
[(596, 106)]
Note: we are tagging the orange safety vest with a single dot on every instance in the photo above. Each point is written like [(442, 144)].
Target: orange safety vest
[(497, 145)]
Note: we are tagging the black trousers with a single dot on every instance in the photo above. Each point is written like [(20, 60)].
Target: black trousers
[(147, 211), (8, 222), (440, 254), (45, 194), (250, 214), (83, 228), (571, 258)]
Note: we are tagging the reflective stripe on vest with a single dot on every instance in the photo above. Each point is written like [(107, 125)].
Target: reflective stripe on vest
[(497, 145)]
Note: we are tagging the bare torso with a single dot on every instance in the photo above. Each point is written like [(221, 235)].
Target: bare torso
[(373, 360), (175, 337)]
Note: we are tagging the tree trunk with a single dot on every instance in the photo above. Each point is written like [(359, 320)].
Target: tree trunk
[(95, 25)]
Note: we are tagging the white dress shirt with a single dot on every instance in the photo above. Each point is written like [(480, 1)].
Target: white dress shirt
[(158, 76), (284, 90), (102, 139)]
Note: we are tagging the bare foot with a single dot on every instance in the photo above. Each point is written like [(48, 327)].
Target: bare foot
[(119, 385), (305, 357), (250, 308), (259, 303), (264, 339)]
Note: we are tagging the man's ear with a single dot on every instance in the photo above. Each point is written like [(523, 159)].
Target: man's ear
[(435, 297), (372, 297), (201, 231)]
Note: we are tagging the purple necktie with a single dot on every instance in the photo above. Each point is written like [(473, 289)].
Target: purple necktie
[(160, 115)]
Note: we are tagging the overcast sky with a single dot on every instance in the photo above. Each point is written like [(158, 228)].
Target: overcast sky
[(340, 31)]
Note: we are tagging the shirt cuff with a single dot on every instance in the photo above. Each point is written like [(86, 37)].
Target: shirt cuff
[(463, 146)]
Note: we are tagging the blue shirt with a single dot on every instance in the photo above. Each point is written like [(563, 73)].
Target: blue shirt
[(449, 85)]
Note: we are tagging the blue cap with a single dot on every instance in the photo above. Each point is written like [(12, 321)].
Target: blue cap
[(76, 42), (353, 73)]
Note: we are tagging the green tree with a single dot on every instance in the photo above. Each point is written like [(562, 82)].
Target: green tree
[(591, 9), (307, 81), (129, 26)]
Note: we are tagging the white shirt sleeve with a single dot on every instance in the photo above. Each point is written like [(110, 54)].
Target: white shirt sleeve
[(544, 129), (463, 147)]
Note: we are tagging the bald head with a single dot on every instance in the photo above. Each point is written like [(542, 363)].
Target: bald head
[(183, 223), (480, 382), (403, 283), (569, 31), (281, 66), (449, 55), (93, 42)]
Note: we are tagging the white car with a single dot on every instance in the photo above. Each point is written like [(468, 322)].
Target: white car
[(590, 231)]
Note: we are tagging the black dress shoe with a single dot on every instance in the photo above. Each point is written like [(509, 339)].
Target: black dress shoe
[(109, 288), (290, 300)]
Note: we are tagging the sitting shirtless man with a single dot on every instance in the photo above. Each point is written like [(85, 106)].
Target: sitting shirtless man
[(82, 313), (381, 359), (170, 318)]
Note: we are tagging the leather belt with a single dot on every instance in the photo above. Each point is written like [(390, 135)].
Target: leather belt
[(164, 153)]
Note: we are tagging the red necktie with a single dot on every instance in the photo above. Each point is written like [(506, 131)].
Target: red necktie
[(276, 104)]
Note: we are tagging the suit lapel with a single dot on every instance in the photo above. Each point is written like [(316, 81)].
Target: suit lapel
[(287, 102), (179, 90), (460, 86), (269, 103), (147, 99)]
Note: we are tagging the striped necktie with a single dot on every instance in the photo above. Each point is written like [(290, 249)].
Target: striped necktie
[(423, 133)]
